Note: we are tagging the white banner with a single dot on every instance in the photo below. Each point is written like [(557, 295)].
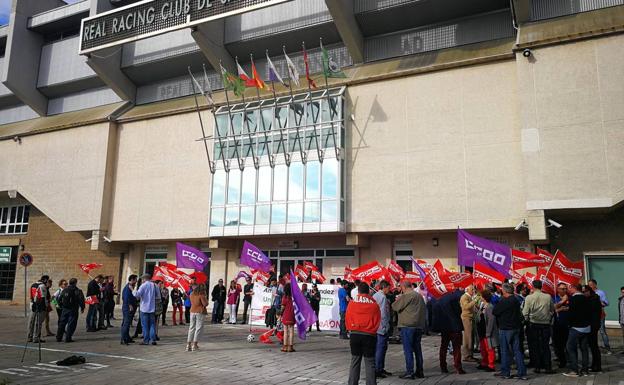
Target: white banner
[(329, 310)]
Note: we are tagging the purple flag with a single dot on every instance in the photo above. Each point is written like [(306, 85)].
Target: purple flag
[(190, 258), (304, 314), (242, 274), (254, 258), (419, 269), (471, 249)]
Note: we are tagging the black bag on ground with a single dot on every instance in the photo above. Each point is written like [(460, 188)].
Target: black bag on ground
[(71, 360)]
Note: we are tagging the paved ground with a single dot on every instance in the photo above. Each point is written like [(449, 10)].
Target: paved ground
[(225, 358)]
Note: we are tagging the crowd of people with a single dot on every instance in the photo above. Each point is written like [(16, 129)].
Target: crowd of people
[(496, 321), (499, 318)]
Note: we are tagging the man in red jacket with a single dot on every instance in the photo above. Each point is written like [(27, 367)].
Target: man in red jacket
[(362, 319)]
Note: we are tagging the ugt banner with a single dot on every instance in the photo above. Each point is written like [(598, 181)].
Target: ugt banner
[(472, 249)]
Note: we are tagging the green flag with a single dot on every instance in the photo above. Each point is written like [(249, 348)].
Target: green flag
[(331, 69), (232, 83)]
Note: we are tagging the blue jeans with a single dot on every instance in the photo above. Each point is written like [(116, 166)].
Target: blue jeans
[(380, 352), (92, 317), (148, 321), (125, 325), (576, 338), (411, 345), (510, 347), (603, 334)]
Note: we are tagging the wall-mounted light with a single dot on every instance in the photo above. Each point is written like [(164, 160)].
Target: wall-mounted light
[(526, 53), (435, 242)]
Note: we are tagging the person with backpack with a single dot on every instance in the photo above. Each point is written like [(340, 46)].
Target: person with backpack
[(39, 306), (71, 299)]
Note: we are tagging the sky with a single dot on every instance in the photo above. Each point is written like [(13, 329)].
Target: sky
[(5, 9)]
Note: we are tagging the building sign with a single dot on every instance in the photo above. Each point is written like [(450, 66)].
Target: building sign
[(153, 17), (5, 254)]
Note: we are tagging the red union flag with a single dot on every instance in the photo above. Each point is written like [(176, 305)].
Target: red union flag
[(548, 283), (523, 259), (87, 267), (437, 281), (426, 266), (348, 274), (301, 273), (483, 274), (91, 300), (368, 271), (263, 277), (515, 275), (548, 257), (412, 277), (310, 266), (396, 270), (566, 270), (461, 280), (528, 278), (320, 278)]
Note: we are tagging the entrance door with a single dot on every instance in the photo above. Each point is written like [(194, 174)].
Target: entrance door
[(8, 264)]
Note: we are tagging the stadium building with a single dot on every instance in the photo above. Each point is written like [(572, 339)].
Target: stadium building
[(505, 118)]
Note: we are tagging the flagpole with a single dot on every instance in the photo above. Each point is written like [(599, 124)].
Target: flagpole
[(227, 100), (330, 109), (246, 123), (201, 122), (266, 138), (319, 151), (304, 155), (286, 155), (216, 124)]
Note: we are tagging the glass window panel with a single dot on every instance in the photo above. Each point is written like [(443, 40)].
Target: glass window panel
[(12, 215), (247, 215), (330, 175), (267, 119), (327, 137), (313, 180), (278, 214), (312, 212), (233, 146), (20, 212), (278, 146), (313, 112), (218, 188), (234, 185), (281, 116), (231, 216), (26, 213), (311, 138), (249, 186), (2, 229), (280, 177), (11, 229), (263, 214), (297, 113), (295, 212), (222, 125), (252, 120), (264, 184), (325, 111), (25, 228), (330, 211), (335, 107), (295, 182), (296, 142), (247, 149), (217, 150), (263, 145), (237, 123), (216, 217)]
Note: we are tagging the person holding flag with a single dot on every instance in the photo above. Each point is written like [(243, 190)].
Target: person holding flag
[(288, 318), (93, 292)]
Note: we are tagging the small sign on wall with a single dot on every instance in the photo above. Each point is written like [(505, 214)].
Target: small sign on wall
[(5, 254)]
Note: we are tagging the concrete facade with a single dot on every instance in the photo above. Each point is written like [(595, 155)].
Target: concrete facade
[(478, 137)]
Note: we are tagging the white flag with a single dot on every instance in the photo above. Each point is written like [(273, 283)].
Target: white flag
[(292, 70)]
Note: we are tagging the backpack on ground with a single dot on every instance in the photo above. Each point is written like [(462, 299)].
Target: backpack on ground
[(71, 360)]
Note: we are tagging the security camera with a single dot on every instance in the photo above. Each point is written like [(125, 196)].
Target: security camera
[(88, 240), (521, 225), (17, 139), (553, 223), (526, 52), (107, 239)]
